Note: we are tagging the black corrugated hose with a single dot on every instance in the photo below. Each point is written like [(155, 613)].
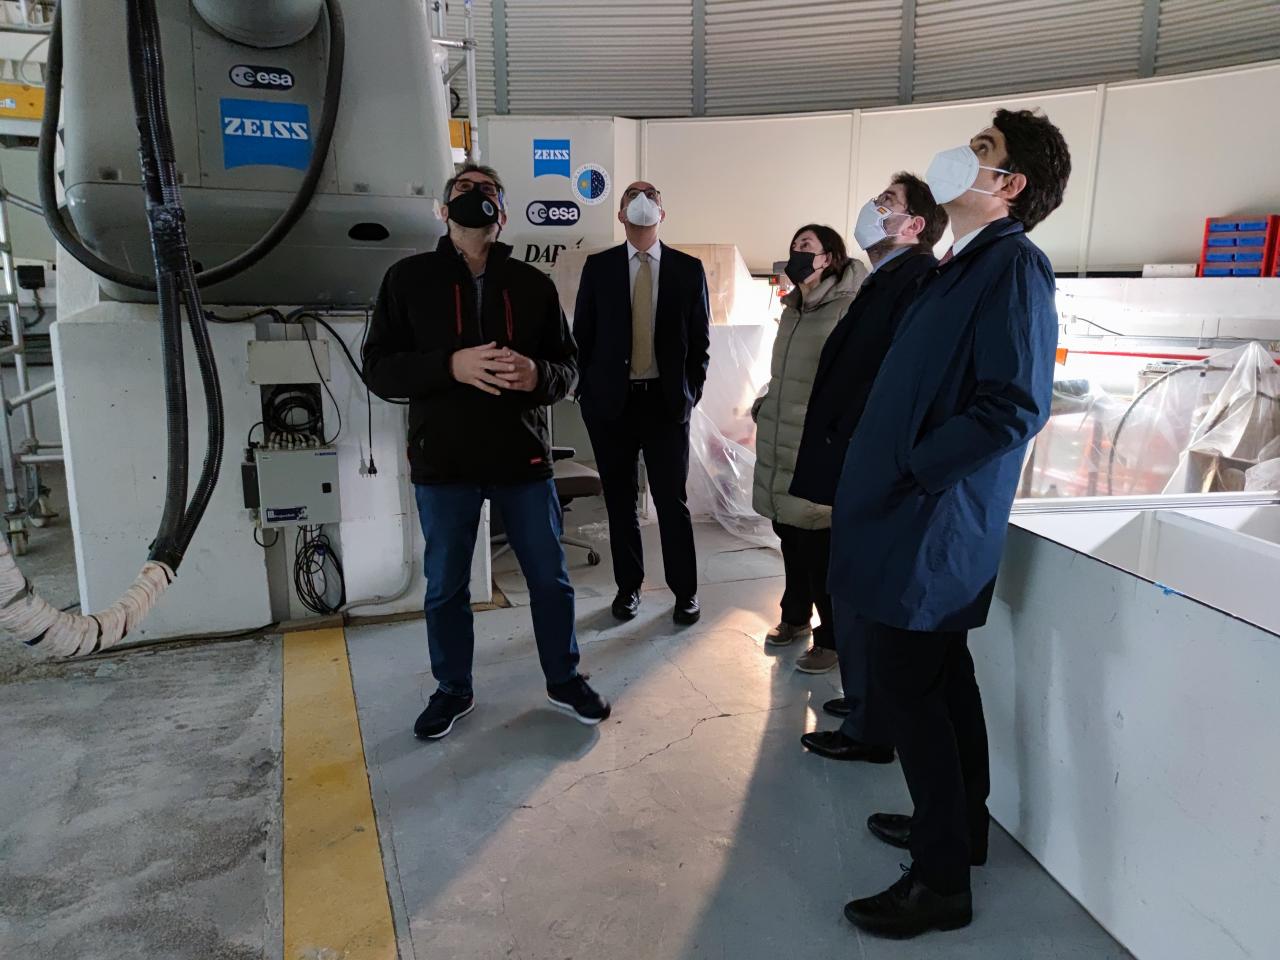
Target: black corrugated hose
[(64, 232)]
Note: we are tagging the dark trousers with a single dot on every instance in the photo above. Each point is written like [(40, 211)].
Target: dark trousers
[(806, 555), (531, 518), (646, 427), (868, 720), (935, 713)]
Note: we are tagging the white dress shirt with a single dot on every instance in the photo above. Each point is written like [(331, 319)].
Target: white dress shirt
[(967, 239), (633, 265)]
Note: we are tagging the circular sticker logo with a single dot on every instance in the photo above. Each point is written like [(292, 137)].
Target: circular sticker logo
[(537, 212), (591, 184), (489, 209)]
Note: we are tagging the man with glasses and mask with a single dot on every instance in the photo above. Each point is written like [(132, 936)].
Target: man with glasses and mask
[(897, 229), (477, 343), (642, 323), (922, 507)]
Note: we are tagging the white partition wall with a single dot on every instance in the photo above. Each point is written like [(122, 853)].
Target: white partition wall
[(752, 181), (907, 138), (1151, 159), (1177, 151)]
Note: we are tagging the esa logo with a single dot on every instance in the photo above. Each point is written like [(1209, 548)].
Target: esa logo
[(553, 213), (261, 78), (551, 158)]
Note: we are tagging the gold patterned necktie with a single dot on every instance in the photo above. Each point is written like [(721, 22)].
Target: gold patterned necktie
[(642, 319)]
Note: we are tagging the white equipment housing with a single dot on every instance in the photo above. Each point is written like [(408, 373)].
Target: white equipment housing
[(244, 120)]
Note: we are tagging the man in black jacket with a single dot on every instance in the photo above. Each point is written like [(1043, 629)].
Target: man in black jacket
[(898, 230), (643, 327), (478, 344)]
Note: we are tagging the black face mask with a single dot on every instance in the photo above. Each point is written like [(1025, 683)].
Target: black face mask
[(800, 266), (473, 209)]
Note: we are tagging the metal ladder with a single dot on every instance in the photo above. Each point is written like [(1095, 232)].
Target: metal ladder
[(28, 505)]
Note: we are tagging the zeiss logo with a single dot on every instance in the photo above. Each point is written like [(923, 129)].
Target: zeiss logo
[(260, 133), (551, 158)]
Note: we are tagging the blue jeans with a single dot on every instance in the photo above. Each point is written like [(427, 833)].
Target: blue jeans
[(450, 516)]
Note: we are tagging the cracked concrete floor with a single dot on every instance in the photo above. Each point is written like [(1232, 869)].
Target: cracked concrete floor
[(689, 825)]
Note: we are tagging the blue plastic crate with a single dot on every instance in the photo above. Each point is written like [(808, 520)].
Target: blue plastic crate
[(1221, 227), (1251, 241), (1219, 257), (1246, 271), (1222, 241), (1224, 271), (1251, 256)]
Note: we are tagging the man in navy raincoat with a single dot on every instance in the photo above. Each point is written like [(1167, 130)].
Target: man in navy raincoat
[(923, 502)]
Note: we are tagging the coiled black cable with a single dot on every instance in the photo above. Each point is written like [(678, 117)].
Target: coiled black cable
[(59, 222), (313, 557)]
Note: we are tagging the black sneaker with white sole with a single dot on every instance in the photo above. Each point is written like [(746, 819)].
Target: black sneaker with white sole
[(443, 711), (575, 696)]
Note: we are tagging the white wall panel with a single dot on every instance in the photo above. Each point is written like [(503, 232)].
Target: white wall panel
[(785, 55), (907, 138), (1176, 151), (750, 182)]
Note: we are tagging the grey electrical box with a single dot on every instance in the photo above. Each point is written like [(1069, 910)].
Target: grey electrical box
[(298, 487)]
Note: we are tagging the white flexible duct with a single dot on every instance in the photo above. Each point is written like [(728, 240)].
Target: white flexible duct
[(30, 618), (261, 23)]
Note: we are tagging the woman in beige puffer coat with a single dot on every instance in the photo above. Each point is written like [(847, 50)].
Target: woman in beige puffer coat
[(826, 283)]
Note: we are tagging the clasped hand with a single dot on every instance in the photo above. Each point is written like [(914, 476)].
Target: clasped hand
[(493, 369)]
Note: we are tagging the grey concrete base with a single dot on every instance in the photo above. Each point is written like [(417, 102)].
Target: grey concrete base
[(690, 825), (140, 800)]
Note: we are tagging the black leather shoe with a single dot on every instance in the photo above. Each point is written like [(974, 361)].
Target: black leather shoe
[(895, 830), (626, 604), (687, 612), (838, 707), (909, 908), (834, 745)]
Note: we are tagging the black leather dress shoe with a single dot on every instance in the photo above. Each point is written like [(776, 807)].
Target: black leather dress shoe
[(895, 830), (687, 611), (834, 745), (626, 604), (838, 707), (908, 909)]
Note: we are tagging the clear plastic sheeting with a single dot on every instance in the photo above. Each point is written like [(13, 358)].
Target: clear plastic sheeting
[(1241, 422), (1134, 426), (722, 436)]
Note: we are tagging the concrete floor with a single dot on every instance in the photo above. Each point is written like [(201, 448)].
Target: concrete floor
[(141, 806), (690, 825), (141, 797)]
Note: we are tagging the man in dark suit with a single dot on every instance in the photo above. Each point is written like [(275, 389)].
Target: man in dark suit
[(897, 229), (642, 323)]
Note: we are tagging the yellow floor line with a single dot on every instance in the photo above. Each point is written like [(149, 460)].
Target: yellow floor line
[(335, 890)]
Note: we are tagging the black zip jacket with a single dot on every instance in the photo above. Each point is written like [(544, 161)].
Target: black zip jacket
[(426, 311)]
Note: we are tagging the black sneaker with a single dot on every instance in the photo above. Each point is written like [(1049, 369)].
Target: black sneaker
[(576, 697), (443, 711)]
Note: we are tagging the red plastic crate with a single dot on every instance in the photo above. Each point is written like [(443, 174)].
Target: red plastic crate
[(1245, 245)]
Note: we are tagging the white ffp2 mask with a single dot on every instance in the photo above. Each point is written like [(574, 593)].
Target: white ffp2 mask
[(869, 230), (643, 212), (954, 171)]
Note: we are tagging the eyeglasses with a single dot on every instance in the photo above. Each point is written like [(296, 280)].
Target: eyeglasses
[(651, 193), (488, 189)]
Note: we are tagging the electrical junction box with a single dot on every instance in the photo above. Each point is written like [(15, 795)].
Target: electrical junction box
[(297, 487), (288, 361)]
